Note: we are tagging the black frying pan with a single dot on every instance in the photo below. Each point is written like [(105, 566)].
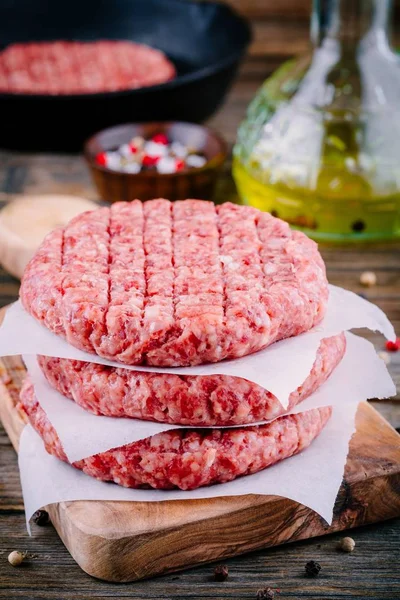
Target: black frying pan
[(204, 40)]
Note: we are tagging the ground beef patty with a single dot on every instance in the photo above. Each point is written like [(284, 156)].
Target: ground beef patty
[(57, 68), (188, 459), (184, 400), (175, 284)]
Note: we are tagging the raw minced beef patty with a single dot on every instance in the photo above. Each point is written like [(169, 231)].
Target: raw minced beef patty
[(175, 284), (61, 67), (181, 399), (188, 459)]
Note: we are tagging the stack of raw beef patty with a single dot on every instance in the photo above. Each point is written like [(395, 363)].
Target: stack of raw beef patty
[(179, 284)]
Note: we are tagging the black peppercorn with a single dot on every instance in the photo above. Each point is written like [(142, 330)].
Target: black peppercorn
[(312, 568), (221, 573), (41, 517), (358, 226), (265, 594)]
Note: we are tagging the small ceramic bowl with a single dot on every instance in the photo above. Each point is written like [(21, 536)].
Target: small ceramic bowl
[(114, 186)]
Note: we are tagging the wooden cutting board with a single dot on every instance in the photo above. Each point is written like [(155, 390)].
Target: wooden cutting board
[(127, 541)]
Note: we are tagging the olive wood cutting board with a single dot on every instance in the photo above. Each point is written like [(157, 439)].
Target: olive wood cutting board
[(127, 541)]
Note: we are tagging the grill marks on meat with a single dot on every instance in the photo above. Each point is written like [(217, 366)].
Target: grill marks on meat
[(58, 68), (194, 317), (175, 284), (185, 400), (188, 459), (86, 279)]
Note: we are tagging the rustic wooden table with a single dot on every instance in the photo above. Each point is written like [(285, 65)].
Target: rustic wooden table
[(371, 571)]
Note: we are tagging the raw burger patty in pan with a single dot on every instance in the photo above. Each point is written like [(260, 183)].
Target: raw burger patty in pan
[(175, 284), (188, 459), (58, 68), (185, 400)]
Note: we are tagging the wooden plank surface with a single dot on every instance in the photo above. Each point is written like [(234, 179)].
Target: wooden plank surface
[(127, 541), (371, 571)]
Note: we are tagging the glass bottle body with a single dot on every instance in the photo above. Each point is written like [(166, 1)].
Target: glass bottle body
[(320, 146)]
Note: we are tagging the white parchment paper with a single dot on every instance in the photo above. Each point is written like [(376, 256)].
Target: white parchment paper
[(311, 478), (22, 334), (361, 374)]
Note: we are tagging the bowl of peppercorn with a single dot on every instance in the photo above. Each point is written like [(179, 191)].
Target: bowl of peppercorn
[(155, 160)]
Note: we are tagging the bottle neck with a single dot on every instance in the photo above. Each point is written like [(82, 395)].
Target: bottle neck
[(349, 22)]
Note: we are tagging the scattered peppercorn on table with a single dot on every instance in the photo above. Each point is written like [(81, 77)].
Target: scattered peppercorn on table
[(327, 567)]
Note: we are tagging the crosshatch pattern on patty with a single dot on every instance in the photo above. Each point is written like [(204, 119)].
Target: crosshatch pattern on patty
[(175, 284)]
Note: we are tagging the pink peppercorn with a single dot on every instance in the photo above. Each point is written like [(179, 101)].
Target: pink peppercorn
[(393, 346), (150, 161), (101, 159), (160, 138)]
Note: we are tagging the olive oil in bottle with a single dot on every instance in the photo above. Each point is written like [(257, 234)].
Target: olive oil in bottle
[(320, 145)]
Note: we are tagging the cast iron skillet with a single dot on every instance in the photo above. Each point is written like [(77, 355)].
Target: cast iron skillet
[(204, 40)]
